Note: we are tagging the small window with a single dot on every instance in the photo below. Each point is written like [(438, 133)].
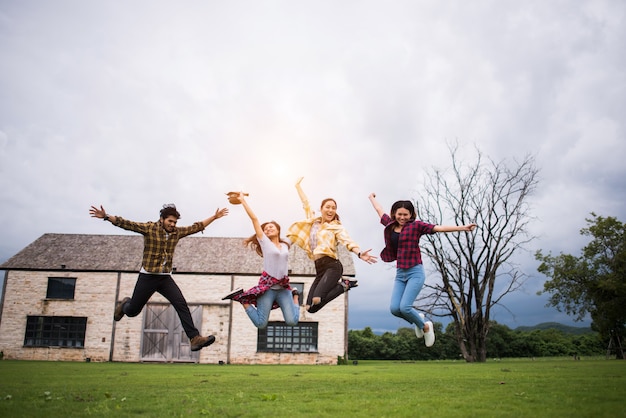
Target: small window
[(61, 288), (278, 337), (55, 331), (300, 287)]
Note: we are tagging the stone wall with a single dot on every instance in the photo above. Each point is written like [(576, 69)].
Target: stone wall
[(26, 295), (96, 296)]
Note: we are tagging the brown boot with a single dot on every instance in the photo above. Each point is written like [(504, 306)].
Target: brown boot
[(199, 342), (119, 309)]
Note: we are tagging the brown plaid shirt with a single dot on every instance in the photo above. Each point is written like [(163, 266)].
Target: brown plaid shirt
[(158, 245)]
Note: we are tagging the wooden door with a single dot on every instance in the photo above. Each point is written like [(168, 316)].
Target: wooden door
[(164, 339)]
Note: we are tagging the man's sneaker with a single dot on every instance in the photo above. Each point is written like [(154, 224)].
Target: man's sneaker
[(233, 294), (119, 309), (199, 342), (419, 333), (429, 336)]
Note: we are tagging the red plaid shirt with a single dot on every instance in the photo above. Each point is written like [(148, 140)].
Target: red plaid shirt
[(265, 283), (408, 253)]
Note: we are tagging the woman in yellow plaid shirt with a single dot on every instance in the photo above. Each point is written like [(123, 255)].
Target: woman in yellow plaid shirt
[(320, 237)]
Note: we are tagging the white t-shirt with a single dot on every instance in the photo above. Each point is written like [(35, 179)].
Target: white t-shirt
[(275, 260)]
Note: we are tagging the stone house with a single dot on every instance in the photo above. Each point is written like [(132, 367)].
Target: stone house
[(61, 290)]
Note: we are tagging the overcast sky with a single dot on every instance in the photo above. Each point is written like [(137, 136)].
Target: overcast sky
[(135, 104)]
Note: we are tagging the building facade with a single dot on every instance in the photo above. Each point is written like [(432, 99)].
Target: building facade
[(61, 290)]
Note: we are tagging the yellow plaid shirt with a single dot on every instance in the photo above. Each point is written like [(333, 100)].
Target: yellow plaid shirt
[(329, 235), (158, 245)]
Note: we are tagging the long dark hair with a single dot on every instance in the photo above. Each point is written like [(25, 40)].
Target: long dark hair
[(330, 199), (403, 204), (253, 241)]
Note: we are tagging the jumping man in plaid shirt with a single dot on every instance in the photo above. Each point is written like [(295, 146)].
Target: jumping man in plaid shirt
[(402, 235), (160, 239)]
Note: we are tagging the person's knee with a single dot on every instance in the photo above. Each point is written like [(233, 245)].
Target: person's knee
[(262, 321), (406, 310), (131, 310), (395, 311), (131, 313)]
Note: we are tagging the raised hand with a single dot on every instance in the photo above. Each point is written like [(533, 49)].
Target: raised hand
[(97, 213), (220, 212)]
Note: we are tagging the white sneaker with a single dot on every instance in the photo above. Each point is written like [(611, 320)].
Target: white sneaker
[(419, 333), (429, 336)]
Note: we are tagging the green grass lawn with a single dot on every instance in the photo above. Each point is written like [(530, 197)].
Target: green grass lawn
[(526, 388)]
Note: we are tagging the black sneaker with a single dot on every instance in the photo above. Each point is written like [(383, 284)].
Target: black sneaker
[(232, 294), (295, 292)]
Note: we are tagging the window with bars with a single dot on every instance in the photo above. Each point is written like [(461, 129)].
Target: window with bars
[(278, 337), (61, 288), (55, 331)]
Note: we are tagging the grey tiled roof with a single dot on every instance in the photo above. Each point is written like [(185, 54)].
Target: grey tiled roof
[(203, 255)]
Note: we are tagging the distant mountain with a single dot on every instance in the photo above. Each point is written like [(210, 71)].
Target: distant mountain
[(566, 329)]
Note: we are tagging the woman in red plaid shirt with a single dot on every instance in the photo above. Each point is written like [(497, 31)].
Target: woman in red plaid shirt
[(402, 235)]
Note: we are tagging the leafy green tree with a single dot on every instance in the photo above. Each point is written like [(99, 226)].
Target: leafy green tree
[(554, 344), (595, 282), (526, 344), (403, 345), (362, 344), (407, 346), (588, 344), (502, 343), (499, 341), (387, 348), (449, 346)]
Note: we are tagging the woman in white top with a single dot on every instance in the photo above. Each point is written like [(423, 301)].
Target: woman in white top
[(273, 289)]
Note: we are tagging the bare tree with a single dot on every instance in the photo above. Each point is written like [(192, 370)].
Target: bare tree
[(495, 196)]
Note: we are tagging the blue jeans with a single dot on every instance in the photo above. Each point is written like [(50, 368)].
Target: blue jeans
[(406, 286), (261, 314)]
